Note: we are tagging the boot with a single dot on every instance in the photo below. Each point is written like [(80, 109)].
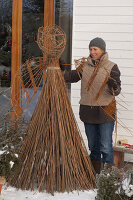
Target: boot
[(96, 165)]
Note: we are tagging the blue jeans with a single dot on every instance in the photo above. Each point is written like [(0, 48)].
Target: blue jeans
[(100, 141)]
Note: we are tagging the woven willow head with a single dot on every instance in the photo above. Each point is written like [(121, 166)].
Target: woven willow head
[(51, 40)]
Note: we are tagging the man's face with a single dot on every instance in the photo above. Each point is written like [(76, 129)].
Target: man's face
[(96, 53)]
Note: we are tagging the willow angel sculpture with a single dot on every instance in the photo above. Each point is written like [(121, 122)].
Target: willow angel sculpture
[(53, 156)]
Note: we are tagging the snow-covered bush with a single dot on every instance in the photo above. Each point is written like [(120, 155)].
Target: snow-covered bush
[(108, 183), (126, 189), (114, 184), (12, 135)]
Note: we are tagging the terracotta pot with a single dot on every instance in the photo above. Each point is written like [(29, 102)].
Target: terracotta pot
[(2, 181), (0, 188)]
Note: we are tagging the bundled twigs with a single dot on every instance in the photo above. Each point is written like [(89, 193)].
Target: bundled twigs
[(111, 108), (102, 87), (54, 156), (91, 80)]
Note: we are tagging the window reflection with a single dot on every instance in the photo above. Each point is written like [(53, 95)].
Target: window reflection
[(32, 19)]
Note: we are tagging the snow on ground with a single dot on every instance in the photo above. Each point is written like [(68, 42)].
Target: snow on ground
[(11, 193)]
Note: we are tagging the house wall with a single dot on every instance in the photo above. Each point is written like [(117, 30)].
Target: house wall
[(111, 20)]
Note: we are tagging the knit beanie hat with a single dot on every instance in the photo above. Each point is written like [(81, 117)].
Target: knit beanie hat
[(98, 42)]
